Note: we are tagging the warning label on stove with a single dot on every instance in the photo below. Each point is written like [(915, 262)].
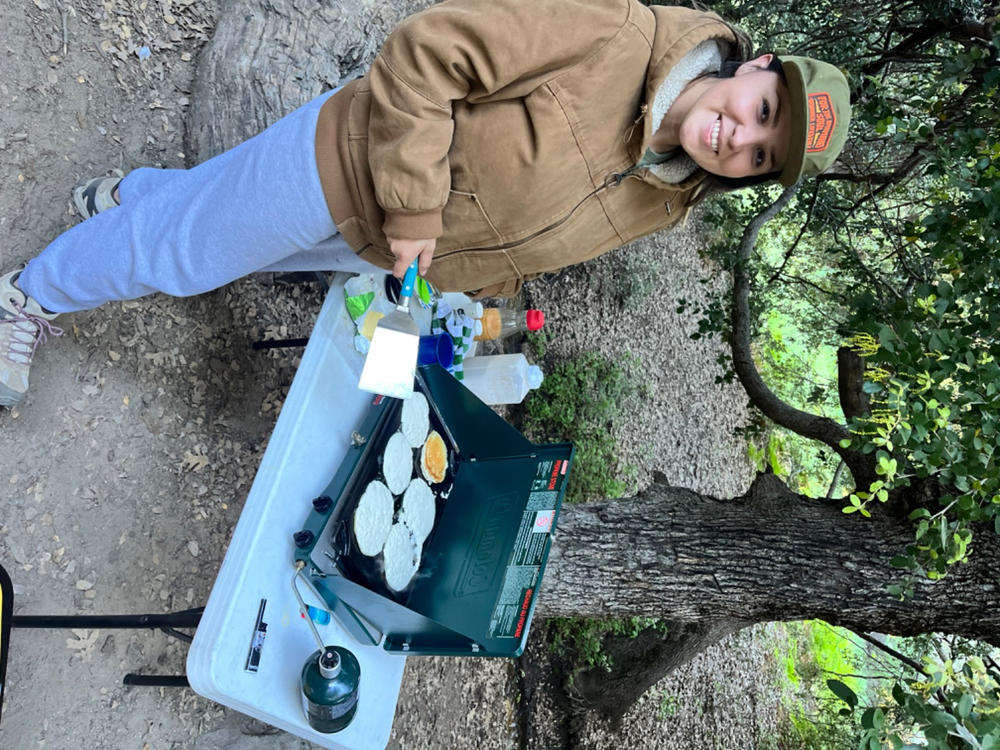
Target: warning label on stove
[(532, 537), (521, 578), (511, 613), (550, 477)]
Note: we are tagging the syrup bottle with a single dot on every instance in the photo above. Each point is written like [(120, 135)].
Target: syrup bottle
[(501, 322)]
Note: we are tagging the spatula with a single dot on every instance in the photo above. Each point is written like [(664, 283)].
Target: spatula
[(392, 358)]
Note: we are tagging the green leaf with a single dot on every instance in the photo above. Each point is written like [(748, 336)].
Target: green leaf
[(965, 705), (868, 718), (843, 692), (887, 339), (942, 719), (879, 719)]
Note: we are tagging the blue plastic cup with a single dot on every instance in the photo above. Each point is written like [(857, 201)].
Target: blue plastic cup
[(436, 350)]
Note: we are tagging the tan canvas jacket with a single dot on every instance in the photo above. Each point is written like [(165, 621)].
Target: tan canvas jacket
[(501, 128)]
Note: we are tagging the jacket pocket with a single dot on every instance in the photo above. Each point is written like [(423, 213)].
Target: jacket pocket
[(465, 223)]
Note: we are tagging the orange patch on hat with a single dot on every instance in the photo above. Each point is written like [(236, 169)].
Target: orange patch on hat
[(822, 121)]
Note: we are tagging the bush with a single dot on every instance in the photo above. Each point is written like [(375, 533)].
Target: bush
[(578, 402)]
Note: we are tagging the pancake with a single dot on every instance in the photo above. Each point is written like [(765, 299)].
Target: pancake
[(401, 556), (415, 420), (418, 509), (373, 518), (397, 463), (434, 458)]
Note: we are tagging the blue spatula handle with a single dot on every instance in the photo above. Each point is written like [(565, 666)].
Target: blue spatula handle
[(409, 279)]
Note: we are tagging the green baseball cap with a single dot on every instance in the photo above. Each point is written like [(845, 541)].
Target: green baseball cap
[(820, 105)]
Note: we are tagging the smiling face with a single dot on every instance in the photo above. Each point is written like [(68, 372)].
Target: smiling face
[(739, 126)]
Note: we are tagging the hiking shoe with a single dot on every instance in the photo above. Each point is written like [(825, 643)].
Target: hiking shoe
[(23, 326), (95, 195)]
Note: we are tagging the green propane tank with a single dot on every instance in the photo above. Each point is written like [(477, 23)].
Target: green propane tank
[(330, 679)]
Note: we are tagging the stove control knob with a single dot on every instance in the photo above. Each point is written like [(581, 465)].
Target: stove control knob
[(322, 504), (303, 538)]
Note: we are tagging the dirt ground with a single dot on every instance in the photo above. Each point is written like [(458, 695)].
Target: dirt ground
[(124, 471)]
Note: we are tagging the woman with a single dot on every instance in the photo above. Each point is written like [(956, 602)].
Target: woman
[(492, 139)]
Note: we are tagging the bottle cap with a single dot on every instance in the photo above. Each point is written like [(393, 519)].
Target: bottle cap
[(534, 376), (535, 319)]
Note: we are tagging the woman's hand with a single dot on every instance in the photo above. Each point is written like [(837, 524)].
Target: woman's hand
[(406, 250)]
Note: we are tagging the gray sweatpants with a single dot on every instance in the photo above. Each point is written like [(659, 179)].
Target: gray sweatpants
[(256, 207)]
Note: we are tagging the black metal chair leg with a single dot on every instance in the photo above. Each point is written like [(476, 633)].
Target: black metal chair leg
[(167, 623), (279, 343), (156, 680), (188, 618)]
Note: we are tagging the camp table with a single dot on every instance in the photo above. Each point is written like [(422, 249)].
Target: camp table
[(491, 544)]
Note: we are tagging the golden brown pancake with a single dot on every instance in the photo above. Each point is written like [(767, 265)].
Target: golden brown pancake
[(434, 458)]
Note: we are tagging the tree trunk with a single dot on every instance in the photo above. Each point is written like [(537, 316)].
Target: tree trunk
[(708, 567), (695, 560), (769, 555), (267, 57), (638, 663)]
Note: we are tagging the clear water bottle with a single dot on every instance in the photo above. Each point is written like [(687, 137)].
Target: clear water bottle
[(501, 378), (330, 681)]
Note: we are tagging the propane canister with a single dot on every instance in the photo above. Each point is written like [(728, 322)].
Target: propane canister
[(330, 680)]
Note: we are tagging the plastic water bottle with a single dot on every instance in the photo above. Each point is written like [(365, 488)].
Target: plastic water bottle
[(330, 680), (501, 378)]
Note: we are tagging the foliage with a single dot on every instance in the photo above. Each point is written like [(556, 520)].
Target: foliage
[(580, 401), (953, 703), (580, 640), (625, 279), (810, 652), (668, 705), (896, 252), (801, 370)]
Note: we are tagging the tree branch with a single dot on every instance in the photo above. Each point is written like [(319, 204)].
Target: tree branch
[(850, 382), (804, 423), (802, 231), (892, 652), (861, 676)]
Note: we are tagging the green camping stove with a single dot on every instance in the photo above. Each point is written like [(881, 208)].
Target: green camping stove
[(482, 563)]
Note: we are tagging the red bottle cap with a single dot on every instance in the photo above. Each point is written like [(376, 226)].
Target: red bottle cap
[(535, 319)]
